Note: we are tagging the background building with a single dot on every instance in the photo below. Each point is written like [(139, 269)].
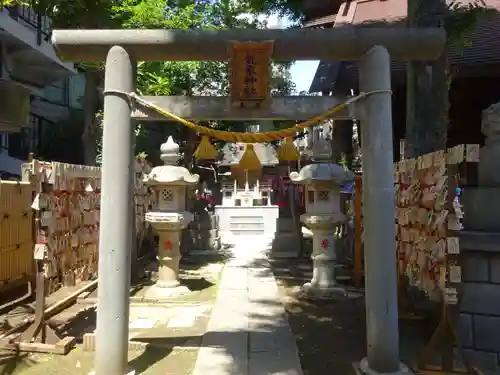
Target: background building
[(37, 89)]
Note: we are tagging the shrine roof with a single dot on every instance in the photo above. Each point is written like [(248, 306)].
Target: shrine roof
[(232, 153), (338, 76)]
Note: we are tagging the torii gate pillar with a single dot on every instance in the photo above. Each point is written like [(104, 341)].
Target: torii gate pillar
[(379, 212), (116, 221)]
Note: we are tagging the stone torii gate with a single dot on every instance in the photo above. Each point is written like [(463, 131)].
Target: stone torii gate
[(371, 46)]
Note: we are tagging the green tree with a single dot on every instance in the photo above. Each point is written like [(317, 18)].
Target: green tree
[(192, 77), (157, 78)]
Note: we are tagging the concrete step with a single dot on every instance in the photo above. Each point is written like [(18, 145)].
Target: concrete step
[(285, 245), (285, 224)]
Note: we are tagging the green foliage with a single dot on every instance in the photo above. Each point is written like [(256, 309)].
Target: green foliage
[(190, 77), (292, 9), (171, 77), (72, 14), (462, 19)]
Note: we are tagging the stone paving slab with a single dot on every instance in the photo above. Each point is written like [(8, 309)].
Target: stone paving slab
[(162, 326), (248, 332), (285, 362), (234, 278)]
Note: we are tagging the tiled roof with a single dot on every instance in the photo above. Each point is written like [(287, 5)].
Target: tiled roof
[(484, 47), (326, 76)]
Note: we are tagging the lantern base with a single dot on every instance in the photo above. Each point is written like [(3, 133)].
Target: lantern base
[(165, 291), (362, 368), (167, 284), (322, 292)]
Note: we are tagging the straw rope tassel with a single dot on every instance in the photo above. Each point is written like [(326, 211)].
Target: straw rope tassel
[(249, 161), (205, 150), (287, 151)]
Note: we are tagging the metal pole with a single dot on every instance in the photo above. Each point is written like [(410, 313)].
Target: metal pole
[(116, 205), (379, 213)]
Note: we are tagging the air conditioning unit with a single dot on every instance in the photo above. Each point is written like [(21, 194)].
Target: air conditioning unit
[(14, 107)]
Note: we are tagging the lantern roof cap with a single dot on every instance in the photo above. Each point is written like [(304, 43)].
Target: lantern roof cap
[(322, 172), (170, 173)]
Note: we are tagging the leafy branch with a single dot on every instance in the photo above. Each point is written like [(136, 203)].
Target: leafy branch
[(461, 21)]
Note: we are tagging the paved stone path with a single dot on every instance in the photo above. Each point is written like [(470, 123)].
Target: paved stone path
[(248, 332)]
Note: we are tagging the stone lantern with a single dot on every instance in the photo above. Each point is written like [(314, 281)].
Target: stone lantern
[(169, 217), (322, 181)]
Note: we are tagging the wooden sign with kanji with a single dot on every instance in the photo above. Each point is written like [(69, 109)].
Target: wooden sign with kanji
[(249, 73)]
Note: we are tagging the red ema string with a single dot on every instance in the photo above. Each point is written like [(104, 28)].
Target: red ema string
[(167, 245), (426, 186), (63, 193), (324, 243), (433, 268), (420, 205)]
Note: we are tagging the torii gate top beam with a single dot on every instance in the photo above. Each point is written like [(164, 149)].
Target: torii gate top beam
[(345, 43)]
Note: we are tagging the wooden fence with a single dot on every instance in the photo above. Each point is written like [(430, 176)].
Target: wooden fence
[(16, 233)]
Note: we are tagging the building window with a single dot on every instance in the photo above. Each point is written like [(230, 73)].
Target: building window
[(17, 145), (13, 11), (76, 90), (58, 93), (310, 196), (253, 128), (323, 195), (4, 141)]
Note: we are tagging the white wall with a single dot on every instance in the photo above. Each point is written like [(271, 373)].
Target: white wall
[(236, 223)]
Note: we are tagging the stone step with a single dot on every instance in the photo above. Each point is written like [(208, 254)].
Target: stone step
[(204, 233), (285, 224), (210, 243), (285, 246), (209, 221)]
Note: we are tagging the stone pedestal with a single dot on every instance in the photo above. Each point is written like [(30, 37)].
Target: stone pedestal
[(169, 257), (479, 322), (323, 283), (287, 241), (204, 236), (169, 227)]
